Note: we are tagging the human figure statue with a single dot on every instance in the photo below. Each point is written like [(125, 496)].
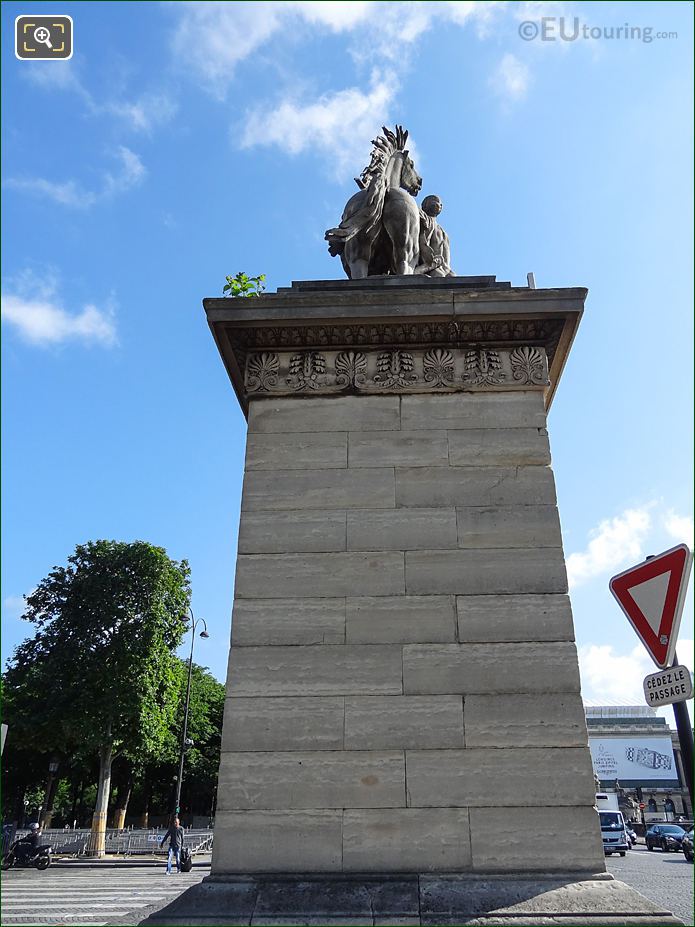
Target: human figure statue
[(434, 242)]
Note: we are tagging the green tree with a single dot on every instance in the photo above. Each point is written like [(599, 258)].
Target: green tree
[(102, 656)]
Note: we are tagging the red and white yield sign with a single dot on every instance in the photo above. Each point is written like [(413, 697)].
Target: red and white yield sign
[(652, 595)]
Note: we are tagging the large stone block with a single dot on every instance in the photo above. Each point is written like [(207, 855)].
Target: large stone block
[(515, 777), (283, 724), (296, 451), (280, 841), (398, 449), (289, 490), (291, 532), (406, 840), (484, 572), (402, 529), (339, 413), (523, 409), (498, 447), (326, 670), (532, 844), (297, 781), (257, 622), (482, 669), (525, 720), (400, 619), (400, 722), (509, 526), (488, 486), (280, 575), (485, 618)]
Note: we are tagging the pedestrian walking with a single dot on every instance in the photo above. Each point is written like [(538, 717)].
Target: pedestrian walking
[(175, 835)]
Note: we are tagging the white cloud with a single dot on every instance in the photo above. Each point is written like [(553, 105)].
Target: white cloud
[(212, 38), (612, 678), (336, 122), (511, 78), (142, 114), (145, 113), (13, 605), (616, 542), (70, 193), (680, 527), (35, 311)]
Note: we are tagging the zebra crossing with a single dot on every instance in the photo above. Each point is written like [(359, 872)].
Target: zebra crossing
[(73, 892)]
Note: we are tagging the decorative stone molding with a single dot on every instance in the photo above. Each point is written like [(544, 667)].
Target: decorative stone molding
[(396, 371)]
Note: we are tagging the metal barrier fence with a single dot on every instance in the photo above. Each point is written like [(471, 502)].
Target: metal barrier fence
[(120, 842)]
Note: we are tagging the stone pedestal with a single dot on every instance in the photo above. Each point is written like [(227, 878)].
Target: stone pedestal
[(403, 686)]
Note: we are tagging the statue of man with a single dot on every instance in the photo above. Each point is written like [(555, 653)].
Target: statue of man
[(434, 242)]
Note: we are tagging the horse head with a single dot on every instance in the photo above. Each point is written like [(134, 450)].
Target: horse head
[(410, 179)]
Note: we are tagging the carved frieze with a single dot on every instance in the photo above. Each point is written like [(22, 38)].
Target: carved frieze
[(419, 370)]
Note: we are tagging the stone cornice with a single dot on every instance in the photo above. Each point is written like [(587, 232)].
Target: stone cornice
[(457, 315)]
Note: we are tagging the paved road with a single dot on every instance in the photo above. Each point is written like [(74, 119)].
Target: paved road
[(73, 892), (664, 878), (94, 893)]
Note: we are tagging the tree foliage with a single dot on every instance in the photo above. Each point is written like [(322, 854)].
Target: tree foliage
[(109, 618), (100, 674)]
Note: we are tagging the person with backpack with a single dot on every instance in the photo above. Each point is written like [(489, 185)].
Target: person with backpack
[(175, 835)]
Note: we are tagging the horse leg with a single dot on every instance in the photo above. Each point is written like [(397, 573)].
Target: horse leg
[(405, 249), (402, 223), (356, 257)]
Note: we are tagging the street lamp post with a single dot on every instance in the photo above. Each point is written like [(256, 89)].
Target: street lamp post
[(184, 732)]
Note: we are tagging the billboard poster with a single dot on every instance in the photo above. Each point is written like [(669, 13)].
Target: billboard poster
[(634, 759)]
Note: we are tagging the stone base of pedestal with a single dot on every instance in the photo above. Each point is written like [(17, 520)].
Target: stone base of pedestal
[(412, 899)]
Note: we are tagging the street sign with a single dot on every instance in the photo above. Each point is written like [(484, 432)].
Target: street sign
[(651, 595), (670, 685)]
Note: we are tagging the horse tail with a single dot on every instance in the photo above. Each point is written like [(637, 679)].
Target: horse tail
[(362, 220)]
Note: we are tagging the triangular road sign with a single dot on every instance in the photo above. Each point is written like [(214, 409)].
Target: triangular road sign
[(651, 595)]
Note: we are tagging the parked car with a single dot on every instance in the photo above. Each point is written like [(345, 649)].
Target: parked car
[(665, 836), (631, 834), (687, 845)]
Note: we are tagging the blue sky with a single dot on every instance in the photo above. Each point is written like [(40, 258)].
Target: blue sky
[(187, 141)]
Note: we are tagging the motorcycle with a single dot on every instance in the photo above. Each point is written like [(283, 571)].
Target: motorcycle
[(40, 858)]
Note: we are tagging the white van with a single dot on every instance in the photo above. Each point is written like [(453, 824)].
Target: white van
[(613, 833)]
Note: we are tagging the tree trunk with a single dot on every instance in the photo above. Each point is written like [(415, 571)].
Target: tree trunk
[(97, 841), (147, 797), (76, 787), (50, 799), (46, 813), (80, 805), (125, 790)]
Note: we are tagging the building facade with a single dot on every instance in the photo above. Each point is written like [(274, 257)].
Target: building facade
[(635, 753)]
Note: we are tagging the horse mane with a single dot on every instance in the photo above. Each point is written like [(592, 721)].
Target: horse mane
[(372, 181), (385, 146)]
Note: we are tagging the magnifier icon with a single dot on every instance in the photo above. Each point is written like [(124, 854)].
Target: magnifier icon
[(43, 36)]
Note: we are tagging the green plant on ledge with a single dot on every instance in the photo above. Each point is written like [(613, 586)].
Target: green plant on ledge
[(243, 285)]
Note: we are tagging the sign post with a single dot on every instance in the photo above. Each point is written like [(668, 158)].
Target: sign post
[(651, 595)]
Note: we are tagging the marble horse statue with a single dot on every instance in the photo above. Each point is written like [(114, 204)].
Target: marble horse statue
[(380, 228)]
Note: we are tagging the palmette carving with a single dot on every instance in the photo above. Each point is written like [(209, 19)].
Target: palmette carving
[(438, 366), (468, 368), (262, 371), (350, 368), (528, 365)]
